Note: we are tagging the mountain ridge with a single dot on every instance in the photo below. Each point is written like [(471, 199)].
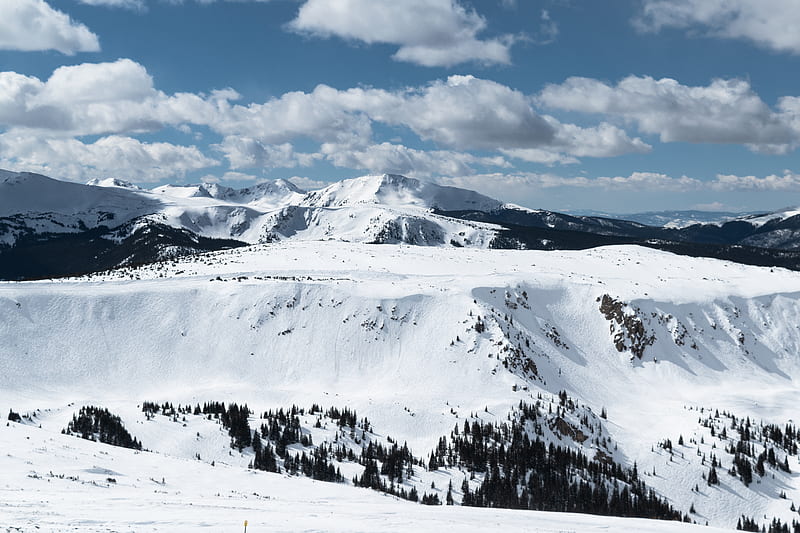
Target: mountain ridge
[(422, 339), (39, 211)]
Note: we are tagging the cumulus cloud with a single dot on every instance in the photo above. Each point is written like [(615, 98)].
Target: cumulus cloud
[(773, 24), (316, 115), (100, 98), (465, 112), (428, 32), (788, 181), (141, 5), (636, 181), (228, 176), (399, 159), (32, 25), (725, 111), (108, 156), (246, 152), (308, 184), (468, 113), (544, 157), (530, 186), (458, 115), (604, 140)]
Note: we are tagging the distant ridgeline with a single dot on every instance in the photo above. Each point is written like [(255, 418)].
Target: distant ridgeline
[(47, 255), (736, 241), (50, 228)]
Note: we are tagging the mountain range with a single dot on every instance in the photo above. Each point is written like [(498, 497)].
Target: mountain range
[(109, 223), (389, 335)]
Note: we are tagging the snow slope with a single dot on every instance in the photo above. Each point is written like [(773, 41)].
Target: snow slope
[(54, 483), (31, 203), (390, 331), (396, 191), (385, 208)]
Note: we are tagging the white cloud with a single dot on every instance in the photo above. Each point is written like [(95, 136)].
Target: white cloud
[(526, 183), (308, 184), (96, 83), (526, 187), (399, 159), (316, 115), (428, 32), (789, 181), (32, 25), (107, 157), (99, 99), (725, 111), (548, 29), (246, 152), (460, 113), (604, 140), (537, 155), (228, 176), (773, 24), (136, 5), (465, 112), (714, 206)]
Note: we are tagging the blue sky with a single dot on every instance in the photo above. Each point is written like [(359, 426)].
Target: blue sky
[(619, 106)]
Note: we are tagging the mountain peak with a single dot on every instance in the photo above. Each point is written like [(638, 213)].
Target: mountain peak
[(397, 190), (113, 182)]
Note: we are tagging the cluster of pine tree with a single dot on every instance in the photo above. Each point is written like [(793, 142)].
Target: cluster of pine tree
[(234, 417), (281, 429), (753, 446), (395, 463), (519, 469), (316, 466), (526, 473), (167, 409), (776, 526), (98, 424)]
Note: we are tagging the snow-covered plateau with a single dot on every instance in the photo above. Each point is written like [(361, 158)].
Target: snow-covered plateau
[(666, 365)]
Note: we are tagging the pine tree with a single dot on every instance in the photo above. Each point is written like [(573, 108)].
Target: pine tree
[(713, 479)]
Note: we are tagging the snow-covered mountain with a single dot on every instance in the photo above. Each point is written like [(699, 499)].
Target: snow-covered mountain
[(671, 219), (108, 221), (383, 208), (650, 371), (777, 229), (31, 204), (631, 356), (399, 191)]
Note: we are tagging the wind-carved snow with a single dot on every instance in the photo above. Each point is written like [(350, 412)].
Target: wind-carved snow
[(419, 338)]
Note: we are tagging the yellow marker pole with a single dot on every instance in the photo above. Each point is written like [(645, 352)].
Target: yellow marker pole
[(245, 526)]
